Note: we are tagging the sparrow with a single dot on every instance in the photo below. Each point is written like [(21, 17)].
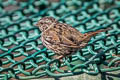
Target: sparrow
[(61, 38)]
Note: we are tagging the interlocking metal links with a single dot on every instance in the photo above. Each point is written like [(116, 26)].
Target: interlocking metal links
[(22, 55)]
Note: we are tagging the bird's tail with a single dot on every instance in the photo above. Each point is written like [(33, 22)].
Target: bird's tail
[(90, 34)]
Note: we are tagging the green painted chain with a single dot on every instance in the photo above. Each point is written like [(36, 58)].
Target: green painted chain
[(23, 56)]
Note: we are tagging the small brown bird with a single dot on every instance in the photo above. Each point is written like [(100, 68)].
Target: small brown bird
[(61, 38)]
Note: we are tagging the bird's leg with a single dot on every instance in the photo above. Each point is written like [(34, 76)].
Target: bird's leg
[(60, 57), (83, 45)]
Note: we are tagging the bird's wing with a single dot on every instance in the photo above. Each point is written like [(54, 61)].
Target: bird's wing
[(75, 35), (57, 37), (68, 43), (69, 36)]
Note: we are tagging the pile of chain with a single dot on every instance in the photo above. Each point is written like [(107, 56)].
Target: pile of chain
[(22, 55)]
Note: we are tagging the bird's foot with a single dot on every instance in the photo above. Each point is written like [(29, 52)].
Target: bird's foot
[(60, 58)]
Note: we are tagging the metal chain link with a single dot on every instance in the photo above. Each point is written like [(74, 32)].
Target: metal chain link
[(22, 55)]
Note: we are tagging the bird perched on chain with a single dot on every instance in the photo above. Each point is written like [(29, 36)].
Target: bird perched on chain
[(61, 38)]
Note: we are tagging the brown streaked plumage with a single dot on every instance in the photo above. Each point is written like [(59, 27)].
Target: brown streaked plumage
[(61, 38)]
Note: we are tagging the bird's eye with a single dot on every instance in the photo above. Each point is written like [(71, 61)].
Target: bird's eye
[(85, 34), (41, 23)]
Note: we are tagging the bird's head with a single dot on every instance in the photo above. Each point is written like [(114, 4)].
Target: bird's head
[(45, 22)]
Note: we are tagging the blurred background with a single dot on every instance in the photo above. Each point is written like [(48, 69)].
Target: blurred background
[(22, 55)]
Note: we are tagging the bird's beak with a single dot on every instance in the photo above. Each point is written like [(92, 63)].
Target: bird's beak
[(36, 24)]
